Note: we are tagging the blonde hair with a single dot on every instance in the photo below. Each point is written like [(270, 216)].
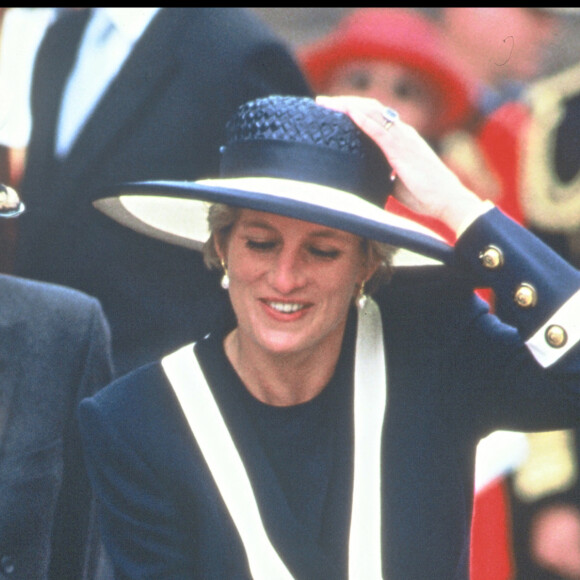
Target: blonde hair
[(222, 218)]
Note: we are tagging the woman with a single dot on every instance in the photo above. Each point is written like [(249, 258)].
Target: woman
[(300, 438), (395, 55)]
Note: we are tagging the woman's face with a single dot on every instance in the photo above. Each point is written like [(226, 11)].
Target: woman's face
[(291, 282), (393, 85)]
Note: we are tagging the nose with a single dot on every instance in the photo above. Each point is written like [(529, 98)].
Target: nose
[(288, 272)]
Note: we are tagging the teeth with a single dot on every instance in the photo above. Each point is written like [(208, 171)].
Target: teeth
[(285, 307)]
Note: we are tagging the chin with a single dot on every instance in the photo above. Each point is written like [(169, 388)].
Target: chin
[(282, 345)]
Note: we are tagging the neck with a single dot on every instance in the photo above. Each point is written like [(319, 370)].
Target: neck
[(282, 379)]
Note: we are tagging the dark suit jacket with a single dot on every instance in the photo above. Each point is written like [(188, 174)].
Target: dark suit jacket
[(455, 374), (54, 350), (162, 117)]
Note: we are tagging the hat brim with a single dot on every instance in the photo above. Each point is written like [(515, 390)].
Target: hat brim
[(176, 212)]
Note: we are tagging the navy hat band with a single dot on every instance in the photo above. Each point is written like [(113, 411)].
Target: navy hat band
[(369, 178)]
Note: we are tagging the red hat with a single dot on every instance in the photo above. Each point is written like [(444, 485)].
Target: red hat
[(399, 35)]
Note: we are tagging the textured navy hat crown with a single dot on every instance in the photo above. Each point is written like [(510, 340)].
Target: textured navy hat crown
[(297, 119), (295, 138)]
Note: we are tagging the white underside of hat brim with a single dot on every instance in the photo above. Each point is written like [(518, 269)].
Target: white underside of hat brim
[(182, 220)]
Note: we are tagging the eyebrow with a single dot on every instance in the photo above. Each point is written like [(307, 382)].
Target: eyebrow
[(329, 233), (256, 224)]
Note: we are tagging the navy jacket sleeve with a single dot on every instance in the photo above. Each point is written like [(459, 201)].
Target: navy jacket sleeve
[(138, 466), (527, 362)]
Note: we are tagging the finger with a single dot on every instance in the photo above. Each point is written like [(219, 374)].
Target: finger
[(366, 113), (355, 106)]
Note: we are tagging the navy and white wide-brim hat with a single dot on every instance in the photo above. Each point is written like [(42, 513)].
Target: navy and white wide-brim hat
[(285, 155)]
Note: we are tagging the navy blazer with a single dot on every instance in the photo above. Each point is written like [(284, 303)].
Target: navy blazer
[(455, 374), (163, 117), (54, 351)]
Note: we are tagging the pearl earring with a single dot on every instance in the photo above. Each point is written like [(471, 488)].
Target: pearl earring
[(361, 297), (225, 282)]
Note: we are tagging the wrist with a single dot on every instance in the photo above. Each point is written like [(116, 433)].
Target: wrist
[(462, 209)]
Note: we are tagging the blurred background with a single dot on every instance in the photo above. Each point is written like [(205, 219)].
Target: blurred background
[(303, 25)]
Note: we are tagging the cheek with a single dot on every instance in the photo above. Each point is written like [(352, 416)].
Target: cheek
[(244, 273), (341, 283), (338, 300), (243, 268), (414, 114)]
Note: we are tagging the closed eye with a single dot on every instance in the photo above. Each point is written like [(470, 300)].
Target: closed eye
[(320, 253), (261, 246)]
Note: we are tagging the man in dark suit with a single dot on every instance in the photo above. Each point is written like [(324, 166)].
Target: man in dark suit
[(54, 351), (162, 116)]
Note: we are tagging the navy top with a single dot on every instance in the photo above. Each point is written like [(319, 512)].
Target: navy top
[(304, 443)]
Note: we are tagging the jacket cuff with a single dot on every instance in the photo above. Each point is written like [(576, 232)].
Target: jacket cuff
[(532, 284), (558, 335)]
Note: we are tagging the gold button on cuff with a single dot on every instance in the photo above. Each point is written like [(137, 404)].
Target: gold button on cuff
[(491, 257), (525, 296), (556, 336)]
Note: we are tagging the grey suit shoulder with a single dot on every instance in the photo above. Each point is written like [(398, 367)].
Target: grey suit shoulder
[(54, 350)]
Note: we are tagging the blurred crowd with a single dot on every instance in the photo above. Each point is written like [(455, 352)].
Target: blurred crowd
[(496, 91)]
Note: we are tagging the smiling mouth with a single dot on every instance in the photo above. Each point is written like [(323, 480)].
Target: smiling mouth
[(286, 307)]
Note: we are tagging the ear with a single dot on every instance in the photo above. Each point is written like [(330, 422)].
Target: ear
[(217, 244), (368, 271), (360, 284)]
